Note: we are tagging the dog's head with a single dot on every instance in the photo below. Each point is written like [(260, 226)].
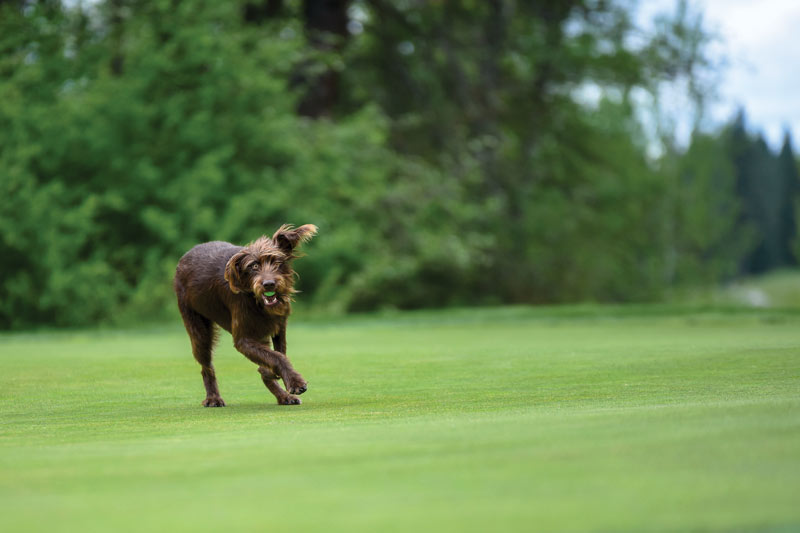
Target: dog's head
[(264, 267)]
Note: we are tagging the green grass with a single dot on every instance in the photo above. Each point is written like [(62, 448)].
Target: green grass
[(510, 419), (777, 289)]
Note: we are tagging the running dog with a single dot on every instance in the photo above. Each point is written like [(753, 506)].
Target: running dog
[(247, 291)]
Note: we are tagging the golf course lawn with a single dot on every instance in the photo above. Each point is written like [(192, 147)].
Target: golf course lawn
[(506, 419)]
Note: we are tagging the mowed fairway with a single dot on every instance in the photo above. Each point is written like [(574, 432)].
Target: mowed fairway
[(511, 419)]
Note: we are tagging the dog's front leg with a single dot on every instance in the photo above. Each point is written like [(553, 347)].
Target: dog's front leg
[(275, 362), (279, 340), (271, 380)]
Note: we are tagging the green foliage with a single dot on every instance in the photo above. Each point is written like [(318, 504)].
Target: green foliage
[(572, 208), (109, 177), (768, 186), (788, 220), (459, 163), (710, 234)]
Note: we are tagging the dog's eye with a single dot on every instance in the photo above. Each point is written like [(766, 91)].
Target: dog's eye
[(255, 266)]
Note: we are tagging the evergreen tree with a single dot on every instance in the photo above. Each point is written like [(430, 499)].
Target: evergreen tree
[(767, 186), (790, 196), (711, 234)]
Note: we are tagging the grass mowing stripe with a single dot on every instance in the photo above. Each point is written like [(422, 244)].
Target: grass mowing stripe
[(454, 460)]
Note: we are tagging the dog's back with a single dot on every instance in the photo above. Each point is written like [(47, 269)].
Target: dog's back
[(204, 262), (200, 280)]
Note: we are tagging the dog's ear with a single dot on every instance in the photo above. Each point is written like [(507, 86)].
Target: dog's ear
[(234, 274), (288, 237)]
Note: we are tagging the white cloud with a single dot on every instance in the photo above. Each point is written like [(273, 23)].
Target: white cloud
[(761, 40)]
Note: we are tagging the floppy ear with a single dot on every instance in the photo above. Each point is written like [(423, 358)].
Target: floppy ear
[(288, 237), (233, 272)]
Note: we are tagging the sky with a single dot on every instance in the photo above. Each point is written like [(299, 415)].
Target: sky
[(760, 40)]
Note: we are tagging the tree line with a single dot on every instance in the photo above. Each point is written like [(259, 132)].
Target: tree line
[(446, 150)]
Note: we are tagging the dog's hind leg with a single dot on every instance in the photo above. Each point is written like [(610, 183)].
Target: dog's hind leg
[(203, 336)]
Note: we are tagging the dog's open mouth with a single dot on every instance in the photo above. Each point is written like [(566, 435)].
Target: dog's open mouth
[(270, 298)]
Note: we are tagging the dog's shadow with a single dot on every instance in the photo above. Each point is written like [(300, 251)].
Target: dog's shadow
[(307, 408)]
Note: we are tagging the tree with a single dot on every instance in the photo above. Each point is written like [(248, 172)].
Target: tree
[(789, 198), (446, 150), (711, 235), (766, 185)]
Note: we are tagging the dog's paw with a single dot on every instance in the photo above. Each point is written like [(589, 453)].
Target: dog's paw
[(289, 400), (213, 401), (296, 384)]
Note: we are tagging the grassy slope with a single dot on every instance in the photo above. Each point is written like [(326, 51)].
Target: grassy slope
[(508, 419), (776, 289)]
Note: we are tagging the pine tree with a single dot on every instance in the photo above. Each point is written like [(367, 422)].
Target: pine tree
[(790, 194), (760, 188)]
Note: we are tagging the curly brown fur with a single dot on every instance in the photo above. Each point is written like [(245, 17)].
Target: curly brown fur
[(220, 284)]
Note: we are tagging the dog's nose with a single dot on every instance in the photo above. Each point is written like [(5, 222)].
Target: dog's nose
[(269, 285)]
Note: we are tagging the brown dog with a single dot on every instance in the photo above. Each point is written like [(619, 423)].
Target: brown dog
[(247, 291)]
